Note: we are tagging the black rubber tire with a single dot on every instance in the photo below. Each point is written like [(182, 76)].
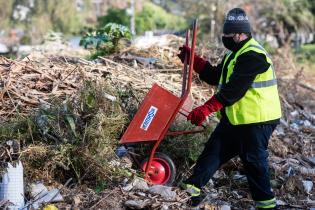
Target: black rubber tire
[(171, 164)]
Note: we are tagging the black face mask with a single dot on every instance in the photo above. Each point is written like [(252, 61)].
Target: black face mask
[(229, 43)]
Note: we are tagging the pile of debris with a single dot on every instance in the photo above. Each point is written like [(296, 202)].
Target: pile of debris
[(32, 85), (47, 109), (31, 82)]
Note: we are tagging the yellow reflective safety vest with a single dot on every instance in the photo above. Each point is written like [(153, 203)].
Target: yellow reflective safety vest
[(261, 101)]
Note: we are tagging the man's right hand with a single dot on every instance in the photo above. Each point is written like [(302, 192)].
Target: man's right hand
[(183, 50), (199, 63)]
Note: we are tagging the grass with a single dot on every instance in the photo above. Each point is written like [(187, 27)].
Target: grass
[(306, 57)]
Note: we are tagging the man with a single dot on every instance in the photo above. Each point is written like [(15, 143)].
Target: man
[(249, 106)]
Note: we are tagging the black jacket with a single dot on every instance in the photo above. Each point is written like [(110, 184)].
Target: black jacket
[(247, 67)]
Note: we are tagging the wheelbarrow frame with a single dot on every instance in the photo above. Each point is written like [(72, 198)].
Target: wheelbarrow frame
[(186, 88)]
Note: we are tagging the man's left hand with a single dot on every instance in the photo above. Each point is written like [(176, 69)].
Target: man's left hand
[(199, 114)]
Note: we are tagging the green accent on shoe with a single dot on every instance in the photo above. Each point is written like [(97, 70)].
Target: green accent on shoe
[(266, 204), (191, 189)]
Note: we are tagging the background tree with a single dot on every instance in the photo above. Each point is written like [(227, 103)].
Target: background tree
[(114, 15), (149, 17), (5, 13), (285, 17), (37, 17)]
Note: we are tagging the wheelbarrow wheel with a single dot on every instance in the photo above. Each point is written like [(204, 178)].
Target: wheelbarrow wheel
[(162, 170)]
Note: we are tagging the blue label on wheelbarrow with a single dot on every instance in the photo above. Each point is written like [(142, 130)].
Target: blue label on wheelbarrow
[(148, 118)]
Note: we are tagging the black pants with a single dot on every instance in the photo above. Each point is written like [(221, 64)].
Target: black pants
[(250, 142)]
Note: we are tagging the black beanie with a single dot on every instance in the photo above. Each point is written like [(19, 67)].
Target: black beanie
[(236, 21)]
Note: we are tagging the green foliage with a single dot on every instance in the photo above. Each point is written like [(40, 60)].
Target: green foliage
[(71, 138), (5, 13), (292, 14), (300, 14), (114, 15), (312, 6), (43, 16), (61, 15), (19, 128), (63, 132), (185, 148), (151, 17), (100, 187), (115, 32), (105, 40), (154, 17), (268, 48), (305, 55)]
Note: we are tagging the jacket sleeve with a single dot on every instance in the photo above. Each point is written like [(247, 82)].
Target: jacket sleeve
[(211, 74), (247, 67)]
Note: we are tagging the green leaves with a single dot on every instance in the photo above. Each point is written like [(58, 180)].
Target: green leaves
[(71, 122), (153, 17), (114, 31), (106, 39), (96, 40), (114, 15), (90, 100), (100, 187)]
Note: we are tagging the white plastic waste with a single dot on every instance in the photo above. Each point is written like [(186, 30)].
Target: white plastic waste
[(12, 186), (40, 194), (225, 207), (308, 185), (165, 191)]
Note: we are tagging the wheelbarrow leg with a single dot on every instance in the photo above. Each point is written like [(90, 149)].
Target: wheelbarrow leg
[(147, 169), (159, 168)]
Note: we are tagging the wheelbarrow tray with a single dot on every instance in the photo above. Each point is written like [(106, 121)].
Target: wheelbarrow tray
[(153, 116)]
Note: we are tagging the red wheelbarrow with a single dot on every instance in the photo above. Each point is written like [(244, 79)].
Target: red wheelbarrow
[(154, 118)]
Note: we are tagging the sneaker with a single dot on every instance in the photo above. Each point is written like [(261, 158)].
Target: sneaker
[(196, 200), (267, 204), (190, 189), (197, 196)]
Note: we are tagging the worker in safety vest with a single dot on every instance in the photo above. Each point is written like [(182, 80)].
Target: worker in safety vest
[(249, 105)]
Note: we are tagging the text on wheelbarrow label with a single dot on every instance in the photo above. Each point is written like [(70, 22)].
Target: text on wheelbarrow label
[(148, 118)]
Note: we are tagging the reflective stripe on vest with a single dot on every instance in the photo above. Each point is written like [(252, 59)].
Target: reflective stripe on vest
[(261, 102), (261, 84)]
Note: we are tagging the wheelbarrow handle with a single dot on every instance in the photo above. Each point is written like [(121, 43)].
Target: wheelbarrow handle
[(185, 69), (184, 114)]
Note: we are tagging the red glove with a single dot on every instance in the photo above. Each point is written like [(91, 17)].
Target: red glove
[(199, 114), (199, 63)]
